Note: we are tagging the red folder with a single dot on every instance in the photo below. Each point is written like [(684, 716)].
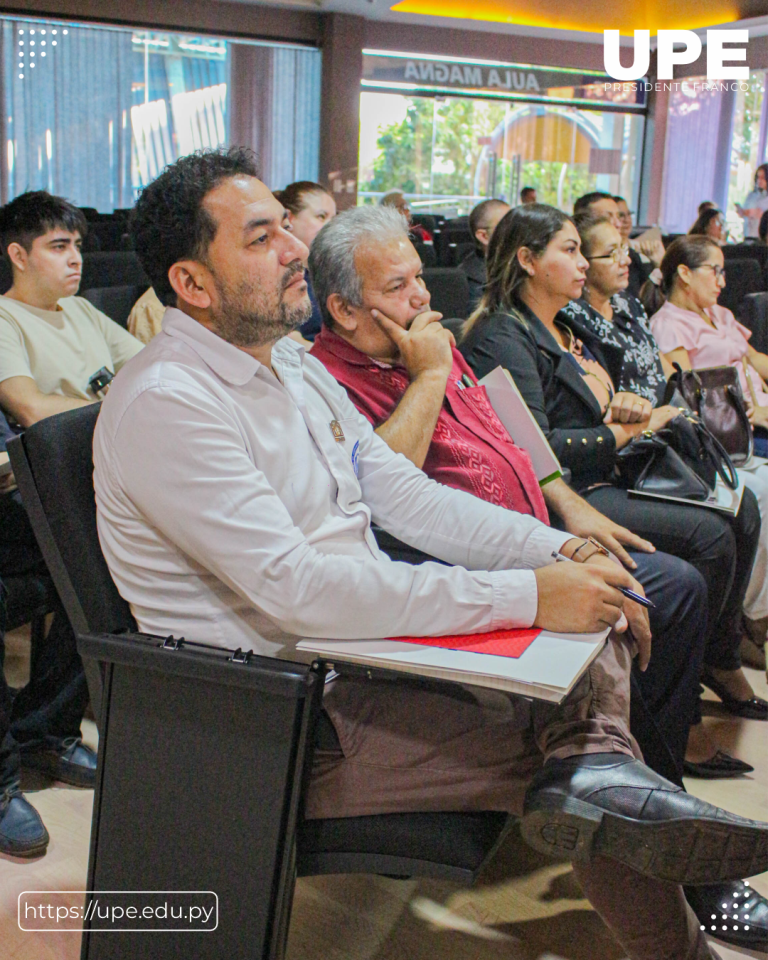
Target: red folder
[(500, 643)]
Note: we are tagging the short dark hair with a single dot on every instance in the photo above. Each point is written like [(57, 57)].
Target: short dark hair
[(525, 191), (585, 202), (706, 205), (170, 222), (532, 225), (478, 216), (620, 200), (292, 197), (33, 214)]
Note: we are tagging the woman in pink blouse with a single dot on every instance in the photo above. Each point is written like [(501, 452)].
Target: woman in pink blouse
[(693, 330)]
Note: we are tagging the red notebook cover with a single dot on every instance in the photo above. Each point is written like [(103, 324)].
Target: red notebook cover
[(500, 643)]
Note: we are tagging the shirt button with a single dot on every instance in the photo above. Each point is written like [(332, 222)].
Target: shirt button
[(600, 439), (568, 441), (584, 441)]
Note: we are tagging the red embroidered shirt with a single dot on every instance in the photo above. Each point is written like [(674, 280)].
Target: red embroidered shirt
[(470, 448)]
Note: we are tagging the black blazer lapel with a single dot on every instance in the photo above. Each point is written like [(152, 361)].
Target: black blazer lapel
[(565, 370)]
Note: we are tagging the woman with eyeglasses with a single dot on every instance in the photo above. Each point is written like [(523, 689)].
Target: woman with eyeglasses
[(694, 330), (535, 268), (608, 319)]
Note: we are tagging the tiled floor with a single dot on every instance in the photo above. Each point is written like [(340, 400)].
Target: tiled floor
[(525, 907)]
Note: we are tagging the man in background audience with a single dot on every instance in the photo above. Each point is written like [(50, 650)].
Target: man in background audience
[(396, 199), (528, 195), (51, 342), (482, 222), (235, 485)]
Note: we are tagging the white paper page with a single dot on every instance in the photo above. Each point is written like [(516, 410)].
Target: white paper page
[(520, 423), (552, 660)]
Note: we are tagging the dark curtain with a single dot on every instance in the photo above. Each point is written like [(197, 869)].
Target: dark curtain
[(274, 106)]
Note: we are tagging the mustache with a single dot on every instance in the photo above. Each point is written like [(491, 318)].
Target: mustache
[(290, 273)]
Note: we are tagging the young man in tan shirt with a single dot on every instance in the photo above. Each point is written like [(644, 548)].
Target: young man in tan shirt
[(51, 344)]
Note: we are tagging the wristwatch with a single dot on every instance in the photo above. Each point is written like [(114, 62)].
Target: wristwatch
[(589, 542)]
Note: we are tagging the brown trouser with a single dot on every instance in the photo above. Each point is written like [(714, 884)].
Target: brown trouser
[(405, 748)]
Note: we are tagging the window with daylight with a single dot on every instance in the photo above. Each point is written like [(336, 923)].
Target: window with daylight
[(95, 113)]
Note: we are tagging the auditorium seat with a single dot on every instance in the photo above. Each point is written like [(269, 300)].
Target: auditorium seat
[(117, 268), (450, 291), (426, 252), (116, 302), (748, 251), (754, 316), (742, 277)]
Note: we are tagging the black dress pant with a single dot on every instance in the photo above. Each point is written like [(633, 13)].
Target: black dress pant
[(665, 697), (720, 547), (51, 706)]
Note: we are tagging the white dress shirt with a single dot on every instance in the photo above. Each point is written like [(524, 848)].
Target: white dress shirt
[(228, 513)]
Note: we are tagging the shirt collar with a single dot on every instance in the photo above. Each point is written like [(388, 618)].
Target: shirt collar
[(330, 340), (227, 361)]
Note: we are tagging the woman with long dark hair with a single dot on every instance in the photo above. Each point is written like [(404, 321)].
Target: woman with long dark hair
[(535, 268), (710, 223)]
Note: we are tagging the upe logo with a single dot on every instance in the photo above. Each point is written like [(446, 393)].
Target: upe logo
[(717, 53)]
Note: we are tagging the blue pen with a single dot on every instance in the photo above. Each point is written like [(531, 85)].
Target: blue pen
[(629, 594)]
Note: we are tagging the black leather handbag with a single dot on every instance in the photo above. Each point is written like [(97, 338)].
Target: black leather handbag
[(715, 395), (681, 460)]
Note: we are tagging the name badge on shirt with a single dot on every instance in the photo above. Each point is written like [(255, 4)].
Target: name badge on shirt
[(338, 433)]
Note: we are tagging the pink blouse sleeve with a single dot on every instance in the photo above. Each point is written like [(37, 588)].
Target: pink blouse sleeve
[(672, 332)]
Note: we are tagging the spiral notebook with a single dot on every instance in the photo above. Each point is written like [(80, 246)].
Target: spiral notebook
[(547, 668)]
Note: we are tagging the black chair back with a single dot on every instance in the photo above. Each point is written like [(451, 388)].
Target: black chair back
[(116, 268), (116, 302), (426, 220), (742, 277), (748, 251), (754, 315), (426, 252), (53, 465), (450, 291)]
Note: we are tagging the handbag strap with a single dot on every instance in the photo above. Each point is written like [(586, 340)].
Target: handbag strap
[(719, 455)]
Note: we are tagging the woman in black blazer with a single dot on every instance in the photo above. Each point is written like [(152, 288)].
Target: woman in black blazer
[(535, 268)]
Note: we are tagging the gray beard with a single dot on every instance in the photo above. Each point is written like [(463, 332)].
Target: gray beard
[(244, 318)]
